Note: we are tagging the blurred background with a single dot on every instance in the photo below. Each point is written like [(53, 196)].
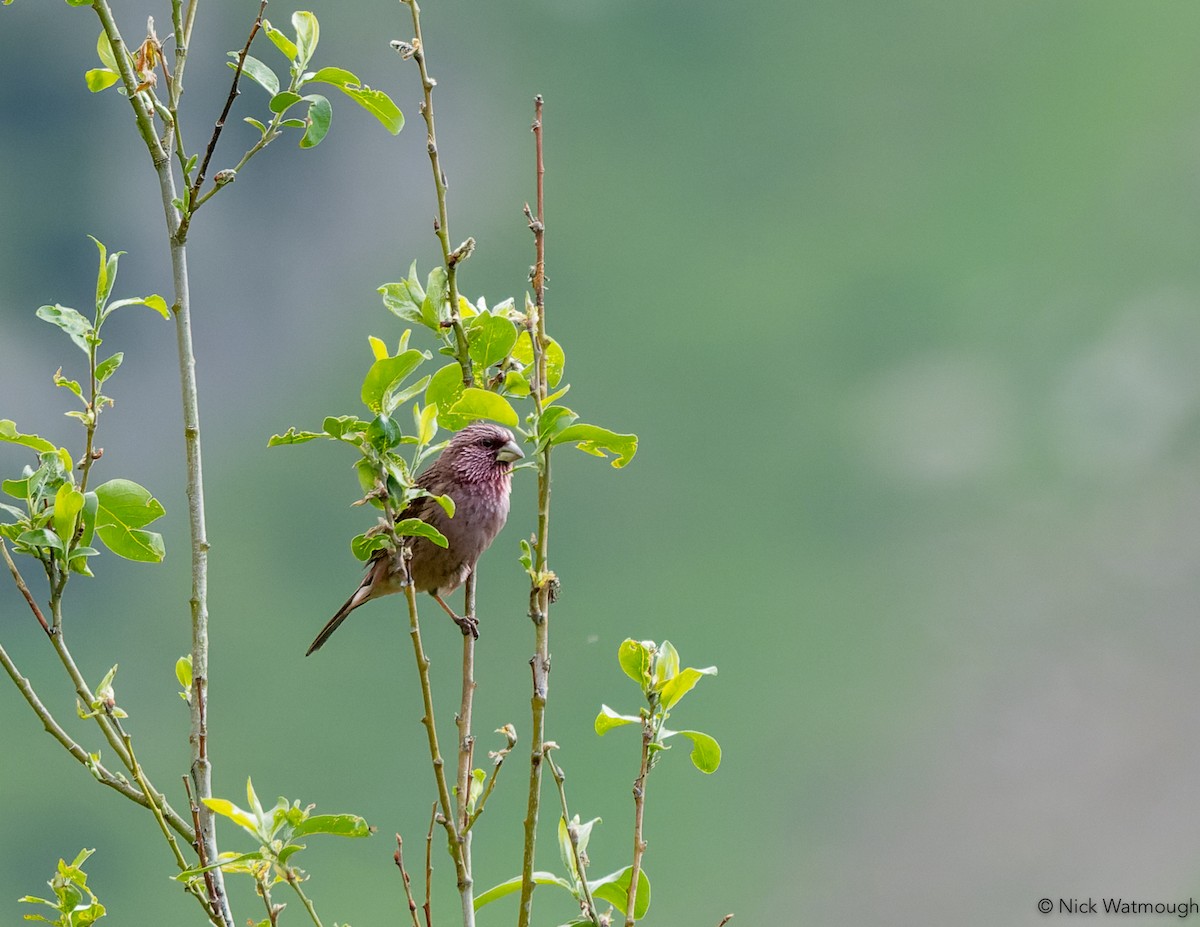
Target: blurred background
[(901, 298)]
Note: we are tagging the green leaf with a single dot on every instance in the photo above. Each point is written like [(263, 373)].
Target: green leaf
[(383, 433), (433, 306), (609, 719), (414, 527), (320, 114), (552, 421), (104, 51), (42, 537), (401, 300), (386, 374), (155, 302), (556, 361), (634, 657), (378, 104), (107, 367), (444, 390), (68, 503), (340, 825), (706, 752), (614, 888), (308, 33), (363, 545), (282, 42), (123, 509), (337, 76), (682, 683), (292, 436), (490, 339), (596, 440), (479, 403), (70, 321), (8, 432), (183, 671), (98, 79), (229, 810), (426, 421), (72, 385), (514, 885), (283, 101), (257, 72)]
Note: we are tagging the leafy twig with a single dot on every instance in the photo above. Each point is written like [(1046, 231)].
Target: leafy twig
[(559, 780), (639, 804), (220, 123), (540, 588)]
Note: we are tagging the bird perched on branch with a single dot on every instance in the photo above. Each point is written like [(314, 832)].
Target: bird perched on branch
[(475, 470)]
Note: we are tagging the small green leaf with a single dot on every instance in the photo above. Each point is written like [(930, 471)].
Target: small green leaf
[(104, 51), (682, 683), (490, 339), (283, 101), (8, 432), (595, 440), (70, 321), (308, 33), (383, 433), (339, 77), (340, 825), (378, 104), (609, 719), (556, 361), (282, 42), (400, 299), (107, 367), (183, 671), (514, 885), (68, 503), (479, 403), (229, 810), (292, 436), (98, 79), (386, 374), (72, 385), (414, 527), (614, 888), (433, 306), (123, 509), (257, 72), (320, 114), (42, 537), (364, 545), (634, 657), (155, 302), (706, 752), (426, 423), (444, 390)]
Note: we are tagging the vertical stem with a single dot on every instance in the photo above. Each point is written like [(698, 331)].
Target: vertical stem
[(539, 593), (201, 769), (639, 808), (466, 746), (448, 817), (441, 225)]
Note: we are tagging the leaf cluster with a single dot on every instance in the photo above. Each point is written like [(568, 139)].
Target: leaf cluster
[(74, 902)]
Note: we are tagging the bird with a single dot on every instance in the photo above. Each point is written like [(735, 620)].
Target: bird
[(475, 470)]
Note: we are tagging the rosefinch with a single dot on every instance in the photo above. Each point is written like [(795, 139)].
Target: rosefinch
[(475, 470)]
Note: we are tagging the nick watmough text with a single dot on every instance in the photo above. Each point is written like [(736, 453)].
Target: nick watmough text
[(1117, 906)]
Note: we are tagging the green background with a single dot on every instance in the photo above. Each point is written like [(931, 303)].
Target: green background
[(900, 297)]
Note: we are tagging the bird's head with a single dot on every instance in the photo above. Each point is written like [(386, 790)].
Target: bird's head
[(483, 451)]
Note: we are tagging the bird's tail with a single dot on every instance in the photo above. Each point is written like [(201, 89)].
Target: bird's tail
[(361, 594)]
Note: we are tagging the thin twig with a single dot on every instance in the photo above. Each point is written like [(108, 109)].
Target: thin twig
[(197, 842), (448, 818), (220, 124), (639, 804), (725, 920), (450, 258), (589, 906), (466, 740), (294, 881), (24, 590), (498, 758), (398, 857), (540, 586), (428, 907)]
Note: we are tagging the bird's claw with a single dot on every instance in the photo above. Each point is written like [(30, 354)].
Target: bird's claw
[(468, 625)]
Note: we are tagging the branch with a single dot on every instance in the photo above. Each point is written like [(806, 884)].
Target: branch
[(220, 124), (399, 860), (16, 575), (539, 591), (450, 258), (559, 780)]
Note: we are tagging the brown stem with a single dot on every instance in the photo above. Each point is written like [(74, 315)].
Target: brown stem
[(398, 858), (539, 593), (220, 124), (639, 805), (24, 590)]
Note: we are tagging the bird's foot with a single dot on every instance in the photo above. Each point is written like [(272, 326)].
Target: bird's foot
[(468, 625)]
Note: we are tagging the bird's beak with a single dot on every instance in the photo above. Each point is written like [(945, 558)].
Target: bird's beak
[(509, 452)]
